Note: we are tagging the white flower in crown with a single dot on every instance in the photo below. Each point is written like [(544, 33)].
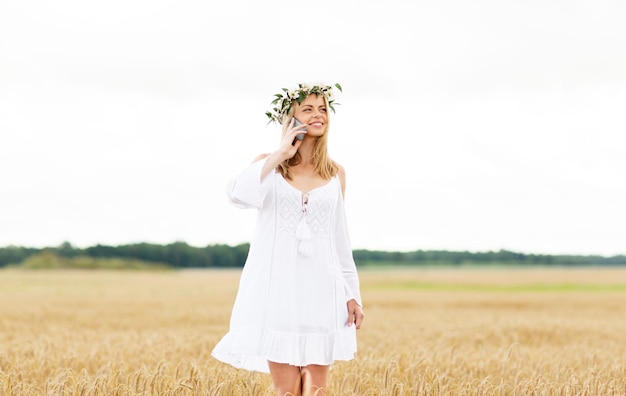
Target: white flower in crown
[(282, 101)]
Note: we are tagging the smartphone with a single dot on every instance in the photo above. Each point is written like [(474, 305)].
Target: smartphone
[(297, 123)]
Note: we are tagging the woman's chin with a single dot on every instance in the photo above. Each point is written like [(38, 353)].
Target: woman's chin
[(315, 132)]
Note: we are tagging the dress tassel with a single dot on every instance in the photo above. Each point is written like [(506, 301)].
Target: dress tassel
[(303, 234)]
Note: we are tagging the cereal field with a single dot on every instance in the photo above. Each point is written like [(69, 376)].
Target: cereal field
[(427, 332)]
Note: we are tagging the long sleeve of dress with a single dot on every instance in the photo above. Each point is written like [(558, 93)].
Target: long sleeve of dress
[(346, 259), (246, 189)]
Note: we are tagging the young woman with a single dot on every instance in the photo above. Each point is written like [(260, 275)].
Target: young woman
[(298, 304)]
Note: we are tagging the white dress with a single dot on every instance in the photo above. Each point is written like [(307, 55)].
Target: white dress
[(291, 304)]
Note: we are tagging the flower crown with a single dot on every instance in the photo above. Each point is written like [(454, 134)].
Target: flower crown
[(282, 102)]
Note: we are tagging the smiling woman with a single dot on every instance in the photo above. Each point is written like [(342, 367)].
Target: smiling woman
[(313, 115), (299, 302)]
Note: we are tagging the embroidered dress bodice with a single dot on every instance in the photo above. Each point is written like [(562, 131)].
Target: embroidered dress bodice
[(305, 215)]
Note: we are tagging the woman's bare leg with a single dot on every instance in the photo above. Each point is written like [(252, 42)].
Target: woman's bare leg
[(314, 380), (286, 379)]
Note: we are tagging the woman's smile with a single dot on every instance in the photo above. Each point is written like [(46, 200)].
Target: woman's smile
[(312, 112)]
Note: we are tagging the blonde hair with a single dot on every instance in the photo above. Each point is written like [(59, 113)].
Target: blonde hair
[(324, 165)]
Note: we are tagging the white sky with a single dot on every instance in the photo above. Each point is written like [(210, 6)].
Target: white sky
[(478, 125)]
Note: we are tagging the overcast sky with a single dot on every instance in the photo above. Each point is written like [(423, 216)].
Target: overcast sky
[(480, 125)]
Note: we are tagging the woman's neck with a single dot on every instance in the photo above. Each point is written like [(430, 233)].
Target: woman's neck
[(306, 152)]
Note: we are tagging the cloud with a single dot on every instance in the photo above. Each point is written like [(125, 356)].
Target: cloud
[(478, 125)]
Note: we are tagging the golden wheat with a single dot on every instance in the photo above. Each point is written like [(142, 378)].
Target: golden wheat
[(427, 332)]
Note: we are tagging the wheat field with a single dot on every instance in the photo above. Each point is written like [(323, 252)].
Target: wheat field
[(427, 332)]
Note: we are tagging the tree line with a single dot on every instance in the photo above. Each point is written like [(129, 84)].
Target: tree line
[(501, 257), (182, 255)]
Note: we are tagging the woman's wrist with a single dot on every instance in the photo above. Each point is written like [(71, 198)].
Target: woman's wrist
[(276, 158), (272, 161)]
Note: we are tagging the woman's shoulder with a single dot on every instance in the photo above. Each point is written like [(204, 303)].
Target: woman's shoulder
[(341, 171), (341, 174)]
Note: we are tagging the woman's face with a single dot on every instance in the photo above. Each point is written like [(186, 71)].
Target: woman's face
[(313, 113)]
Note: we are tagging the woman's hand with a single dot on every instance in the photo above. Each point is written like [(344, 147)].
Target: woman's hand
[(355, 314), (288, 148), (289, 145)]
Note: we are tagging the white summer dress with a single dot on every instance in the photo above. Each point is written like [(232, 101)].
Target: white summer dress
[(291, 304)]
